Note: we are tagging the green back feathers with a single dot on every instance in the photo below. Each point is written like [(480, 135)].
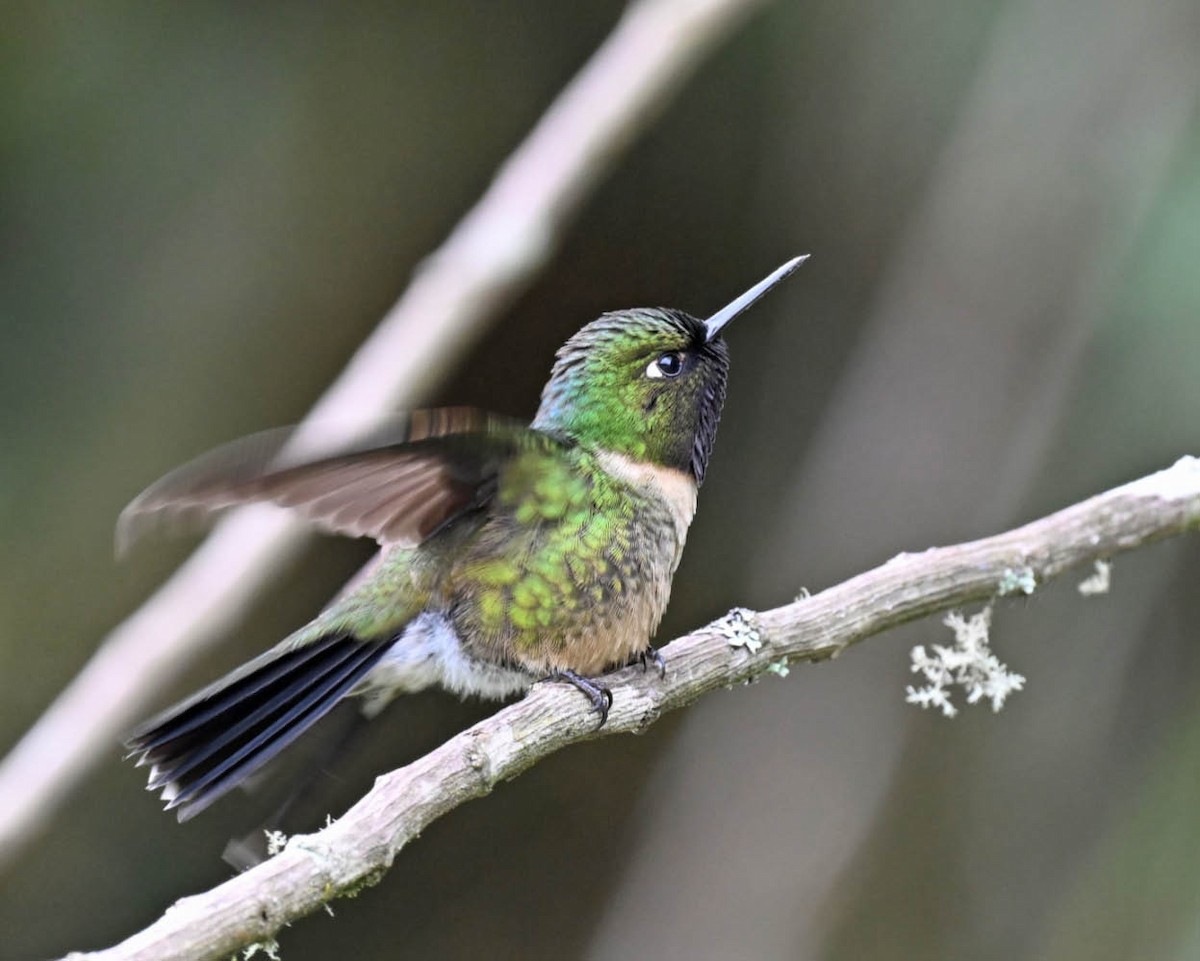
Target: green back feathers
[(608, 388)]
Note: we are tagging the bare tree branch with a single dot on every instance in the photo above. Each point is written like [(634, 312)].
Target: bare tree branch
[(357, 850), (490, 256)]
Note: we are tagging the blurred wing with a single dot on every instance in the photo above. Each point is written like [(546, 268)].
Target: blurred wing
[(397, 485)]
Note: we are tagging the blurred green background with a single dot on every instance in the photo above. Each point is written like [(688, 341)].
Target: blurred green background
[(204, 208)]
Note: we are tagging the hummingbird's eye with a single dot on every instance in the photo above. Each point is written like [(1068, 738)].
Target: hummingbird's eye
[(666, 365)]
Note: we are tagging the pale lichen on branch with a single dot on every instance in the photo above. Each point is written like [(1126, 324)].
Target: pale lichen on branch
[(1100, 580), (969, 663)]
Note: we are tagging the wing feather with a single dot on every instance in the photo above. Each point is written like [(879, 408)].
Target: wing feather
[(398, 485)]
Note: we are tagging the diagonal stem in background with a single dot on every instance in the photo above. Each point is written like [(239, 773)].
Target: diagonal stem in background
[(489, 257), (356, 850)]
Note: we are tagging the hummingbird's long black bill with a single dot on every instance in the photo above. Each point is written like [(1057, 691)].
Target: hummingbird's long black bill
[(723, 316)]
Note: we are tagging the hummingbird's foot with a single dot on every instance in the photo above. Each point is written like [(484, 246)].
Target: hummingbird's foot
[(651, 654), (598, 694)]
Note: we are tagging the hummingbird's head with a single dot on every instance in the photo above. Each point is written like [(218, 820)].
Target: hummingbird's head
[(647, 383)]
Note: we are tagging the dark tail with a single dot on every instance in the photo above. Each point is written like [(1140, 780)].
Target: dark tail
[(204, 747)]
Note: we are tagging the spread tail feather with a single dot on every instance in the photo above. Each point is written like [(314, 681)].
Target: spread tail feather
[(210, 743)]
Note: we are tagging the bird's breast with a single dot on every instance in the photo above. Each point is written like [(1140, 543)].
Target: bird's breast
[(576, 577)]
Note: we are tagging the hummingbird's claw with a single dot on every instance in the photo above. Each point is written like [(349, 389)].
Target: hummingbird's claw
[(651, 654), (598, 694)]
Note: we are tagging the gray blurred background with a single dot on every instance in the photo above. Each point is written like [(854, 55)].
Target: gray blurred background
[(204, 208)]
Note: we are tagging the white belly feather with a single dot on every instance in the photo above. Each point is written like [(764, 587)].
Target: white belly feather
[(429, 653)]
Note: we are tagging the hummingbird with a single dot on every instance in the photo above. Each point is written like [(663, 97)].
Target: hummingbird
[(510, 553)]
